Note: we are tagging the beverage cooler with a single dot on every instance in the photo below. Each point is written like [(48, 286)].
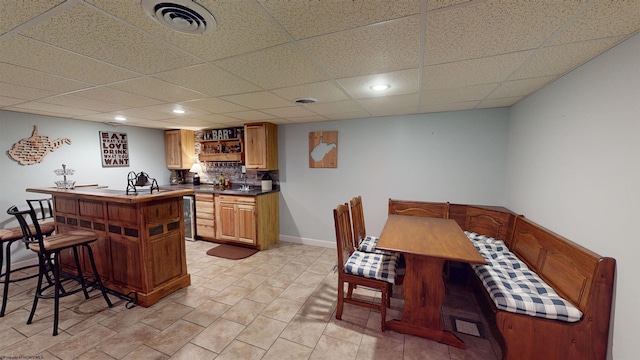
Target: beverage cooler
[(189, 218)]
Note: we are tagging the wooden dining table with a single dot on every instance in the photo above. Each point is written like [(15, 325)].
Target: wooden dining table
[(426, 244)]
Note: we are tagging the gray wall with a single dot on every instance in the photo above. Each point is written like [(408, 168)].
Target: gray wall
[(574, 167), (456, 157), (146, 152)]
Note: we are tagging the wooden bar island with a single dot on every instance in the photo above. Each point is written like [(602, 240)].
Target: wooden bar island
[(140, 251)]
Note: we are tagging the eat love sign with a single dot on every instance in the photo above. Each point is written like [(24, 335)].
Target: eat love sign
[(114, 149)]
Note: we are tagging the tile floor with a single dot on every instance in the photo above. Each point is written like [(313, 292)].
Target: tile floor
[(277, 304)]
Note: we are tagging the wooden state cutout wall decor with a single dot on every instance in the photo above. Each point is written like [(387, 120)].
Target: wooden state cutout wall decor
[(32, 150), (323, 149)]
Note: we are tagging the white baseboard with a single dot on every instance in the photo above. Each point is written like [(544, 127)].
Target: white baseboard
[(307, 241)]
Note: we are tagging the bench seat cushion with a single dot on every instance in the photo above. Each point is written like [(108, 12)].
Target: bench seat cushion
[(514, 287), (373, 266)]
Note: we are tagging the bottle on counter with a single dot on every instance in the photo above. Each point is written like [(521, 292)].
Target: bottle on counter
[(227, 182), (221, 180)]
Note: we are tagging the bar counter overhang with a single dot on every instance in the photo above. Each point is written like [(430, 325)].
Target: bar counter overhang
[(140, 249)]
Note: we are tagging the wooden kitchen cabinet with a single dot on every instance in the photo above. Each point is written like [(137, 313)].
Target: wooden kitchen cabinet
[(248, 220), (205, 224), (179, 149), (261, 146)]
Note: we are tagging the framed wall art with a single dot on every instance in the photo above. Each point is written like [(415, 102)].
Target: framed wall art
[(114, 149)]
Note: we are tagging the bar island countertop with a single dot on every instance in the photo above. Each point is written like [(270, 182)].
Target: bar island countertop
[(140, 251)]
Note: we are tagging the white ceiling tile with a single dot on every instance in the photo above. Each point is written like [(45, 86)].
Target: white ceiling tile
[(53, 108), (145, 114), (7, 101), (157, 89), (325, 91), (393, 112), (556, 60), (304, 19), (20, 76), (390, 102), (520, 87), (503, 102), (208, 79), (83, 103), (455, 95), (22, 92), (348, 115), (492, 27), (303, 119), (289, 112), (603, 19), (329, 108), (440, 4), (274, 68), (110, 40), (117, 97), (215, 105), (216, 118), (22, 11), (32, 54), (381, 48), (401, 82), (472, 72), (251, 115), (259, 100)]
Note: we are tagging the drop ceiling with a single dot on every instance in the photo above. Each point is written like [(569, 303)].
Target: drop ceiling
[(95, 59)]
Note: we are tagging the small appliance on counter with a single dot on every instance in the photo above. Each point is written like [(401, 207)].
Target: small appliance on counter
[(267, 182)]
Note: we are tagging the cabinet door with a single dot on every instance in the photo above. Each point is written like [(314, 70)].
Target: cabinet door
[(246, 219), (226, 221), (205, 216), (261, 145), (179, 149)]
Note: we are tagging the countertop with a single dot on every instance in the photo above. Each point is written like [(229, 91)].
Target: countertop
[(120, 196), (209, 189)]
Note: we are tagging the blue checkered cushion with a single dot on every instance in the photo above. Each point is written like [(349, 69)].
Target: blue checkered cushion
[(514, 287), (373, 266), (369, 244)]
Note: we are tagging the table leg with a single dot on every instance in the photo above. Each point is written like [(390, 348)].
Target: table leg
[(424, 293)]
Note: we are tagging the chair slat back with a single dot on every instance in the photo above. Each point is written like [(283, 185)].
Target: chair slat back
[(42, 207), (357, 218), (31, 232), (344, 240)]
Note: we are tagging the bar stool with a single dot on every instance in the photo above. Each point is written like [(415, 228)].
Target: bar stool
[(48, 249), (7, 238)]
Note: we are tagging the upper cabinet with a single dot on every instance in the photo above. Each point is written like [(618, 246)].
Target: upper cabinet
[(261, 145), (179, 149)]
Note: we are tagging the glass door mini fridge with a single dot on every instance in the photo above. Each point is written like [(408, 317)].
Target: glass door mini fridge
[(189, 218)]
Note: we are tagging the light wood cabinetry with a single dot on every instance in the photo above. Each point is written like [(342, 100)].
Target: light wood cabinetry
[(205, 215), (261, 143), (222, 150), (179, 149), (247, 220)]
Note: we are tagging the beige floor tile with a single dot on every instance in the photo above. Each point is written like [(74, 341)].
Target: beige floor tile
[(93, 354), (193, 352), (303, 330), (286, 350), (167, 315), (244, 312), (217, 336), (417, 348), (262, 332), (231, 294), (373, 347), (267, 269), (146, 353), (238, 270), (239, 350), (321, 267), (293, 269), (128, 340), (264, 294), (125, 319), (206, 313), (174, 337), (309, 278), (318, 308), (297, 292), (9, 337), (251, 280), (280, 280), (350, 329), (82, 342), (330, 348), (282, 309), (219, 282)]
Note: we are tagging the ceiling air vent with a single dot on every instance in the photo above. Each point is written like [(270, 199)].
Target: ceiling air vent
[(184, 16), (305, 101)]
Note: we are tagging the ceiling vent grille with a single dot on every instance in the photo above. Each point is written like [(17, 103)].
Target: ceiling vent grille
[(184, 16)]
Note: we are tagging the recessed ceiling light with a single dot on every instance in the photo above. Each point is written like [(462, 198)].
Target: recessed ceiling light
[(120, 118), (178, 111), (380, 87)]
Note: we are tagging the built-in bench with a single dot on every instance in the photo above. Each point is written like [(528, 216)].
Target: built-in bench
[(579, 282)]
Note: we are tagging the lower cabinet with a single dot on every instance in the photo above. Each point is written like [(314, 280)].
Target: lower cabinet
[(236, 217), (205, 215)]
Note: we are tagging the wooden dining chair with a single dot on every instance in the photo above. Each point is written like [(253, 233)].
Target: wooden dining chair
[(49, 249), (361, 241), (375, 271)]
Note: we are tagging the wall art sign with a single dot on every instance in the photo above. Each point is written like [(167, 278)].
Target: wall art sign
[(114, 149), (323, 149), (32, 150)]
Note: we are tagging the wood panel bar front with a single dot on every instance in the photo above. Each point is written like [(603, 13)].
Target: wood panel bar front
[(140, 248)]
